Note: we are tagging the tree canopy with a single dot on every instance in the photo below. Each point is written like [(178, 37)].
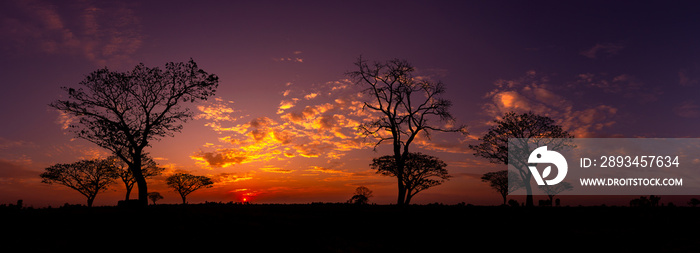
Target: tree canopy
[(420, 172), (185, 183), (89, 177)]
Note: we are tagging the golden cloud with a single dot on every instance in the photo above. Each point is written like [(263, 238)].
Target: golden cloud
[(286, 104), (317, 128), (216, 111), (227, 178), (325, 170), (276, 170), (310, 96), (221, 158), (65, 120)]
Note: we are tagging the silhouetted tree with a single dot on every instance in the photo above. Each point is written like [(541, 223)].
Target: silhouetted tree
[(154, 196), (420, 172), (361, 196), (513, 203), (406, 104), (640, 202), (499, 182), (694, 202), (643, 201), (654, 200), (494, 144), (553, 190), (149, 168), (125, 111), (184, 184), (89, 177)]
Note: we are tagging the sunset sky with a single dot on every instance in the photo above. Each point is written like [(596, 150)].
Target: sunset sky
[(281, 126)]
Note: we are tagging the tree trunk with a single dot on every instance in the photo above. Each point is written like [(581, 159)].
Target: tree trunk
[(184, 199), (402, 193), (528, 189), (143, 190), (399, 177), (140, 179), (128, 193), (504, 199), (528, 199), (90, 199)]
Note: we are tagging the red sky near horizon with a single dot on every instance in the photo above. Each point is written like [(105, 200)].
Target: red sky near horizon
[(281, 126)]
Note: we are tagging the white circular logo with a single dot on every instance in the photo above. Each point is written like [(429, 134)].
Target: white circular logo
[(542, 155)]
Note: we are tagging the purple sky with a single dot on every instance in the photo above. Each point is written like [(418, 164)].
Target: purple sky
[(600, 69)]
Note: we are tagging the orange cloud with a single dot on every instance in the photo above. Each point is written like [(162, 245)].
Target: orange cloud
[(310, 96), (286, 104), (321, 129), (228, 178), (65, 120), (324, 170), (216, 111), (296, 58), (221, 158), (276, 170)]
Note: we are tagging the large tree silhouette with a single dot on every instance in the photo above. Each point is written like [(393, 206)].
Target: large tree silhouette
[(89, 177), (184, 184), (125, 111), (420, 172), (528, 127), (406, 106)]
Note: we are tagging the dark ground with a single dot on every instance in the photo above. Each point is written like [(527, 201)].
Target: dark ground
[(352, 228)]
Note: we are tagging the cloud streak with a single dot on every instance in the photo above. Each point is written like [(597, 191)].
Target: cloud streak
[(602, 49), (295, 59), (625, 85), (687, 109)]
